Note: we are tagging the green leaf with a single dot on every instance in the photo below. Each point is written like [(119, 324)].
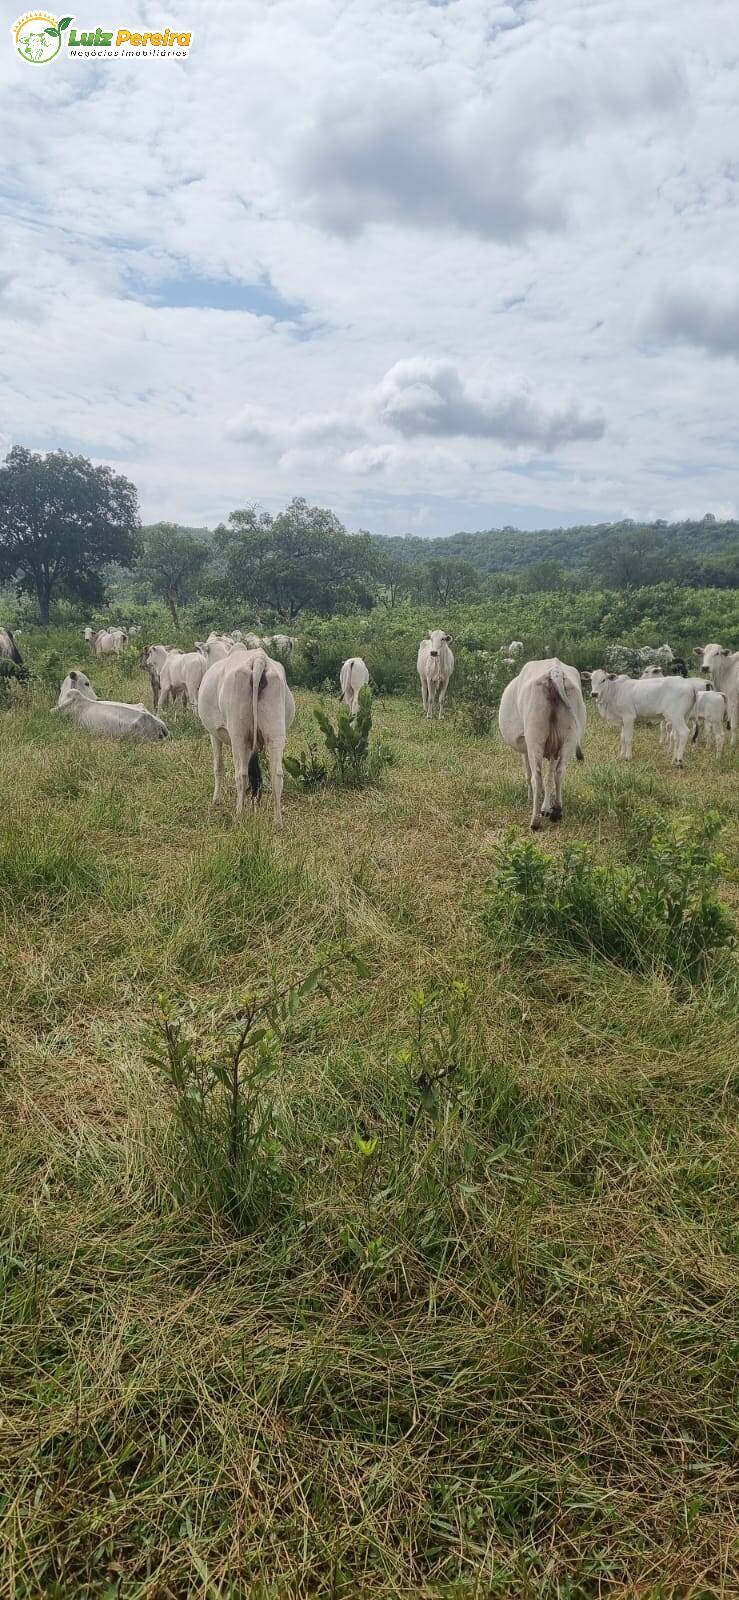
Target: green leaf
[(53, 31), (64, 23)]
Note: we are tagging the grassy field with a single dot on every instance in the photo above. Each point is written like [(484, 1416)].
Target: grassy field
[(483, 1346)]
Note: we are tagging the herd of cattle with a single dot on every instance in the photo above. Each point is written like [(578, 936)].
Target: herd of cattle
[(242, 698)]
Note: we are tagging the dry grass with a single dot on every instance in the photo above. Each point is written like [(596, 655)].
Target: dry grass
[(499, 1358)]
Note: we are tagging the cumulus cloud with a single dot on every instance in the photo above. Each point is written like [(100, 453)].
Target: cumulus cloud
[(421, 396), (703, 313), (483, 152)]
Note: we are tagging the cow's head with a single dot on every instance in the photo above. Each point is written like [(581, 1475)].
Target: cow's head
[(598, 679), (707, 654), (437, 638)]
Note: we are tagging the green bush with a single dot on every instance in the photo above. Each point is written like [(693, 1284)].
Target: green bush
[(226, 1145), (479, 681), (354, 761), (660, 912)]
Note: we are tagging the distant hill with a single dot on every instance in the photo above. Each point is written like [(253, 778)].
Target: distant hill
[(509, 549)]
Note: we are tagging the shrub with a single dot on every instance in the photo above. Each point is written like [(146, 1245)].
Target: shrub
[(227, 1148), (354, 761), (660, 912), (307, 769), (479, 682)]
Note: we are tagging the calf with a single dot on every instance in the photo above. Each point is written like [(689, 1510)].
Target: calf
[(244, 702), (353, 677), (710, 711), (152, 660), (180, 677), (113, 718), (625, 701), (435, 666), (542, 715), (723, 669)]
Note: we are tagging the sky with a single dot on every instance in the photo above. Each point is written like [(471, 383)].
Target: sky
[(437, 264)]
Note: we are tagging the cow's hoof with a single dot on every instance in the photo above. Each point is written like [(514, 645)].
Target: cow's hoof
[(555, 814), (535, 826)]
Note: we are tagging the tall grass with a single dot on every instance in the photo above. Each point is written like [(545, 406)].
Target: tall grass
[(461, 1322)]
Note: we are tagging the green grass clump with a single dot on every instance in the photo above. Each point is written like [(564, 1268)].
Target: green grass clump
[(660, 912)]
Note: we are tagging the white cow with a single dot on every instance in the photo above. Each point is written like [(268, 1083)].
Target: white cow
[(710, 710), (542, 715), (114, 718), (353, 677), (723, 667), (106, 641), (625, 701), (665, 731), (244, 702), (216, 647), (152, 660), (8, 647), (435, 666), (180, 677), (283, 643)]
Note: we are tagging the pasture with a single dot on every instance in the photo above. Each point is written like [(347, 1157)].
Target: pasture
[(479, 1337)]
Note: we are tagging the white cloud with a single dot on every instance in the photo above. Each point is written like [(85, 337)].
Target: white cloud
[(456, 194), (702, 311), (424, 396)]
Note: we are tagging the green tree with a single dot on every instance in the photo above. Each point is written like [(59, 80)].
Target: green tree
[(301, 559), (172, 565), (62, 522), (442, 581), (395, 579), (630, 560), (543, 576)]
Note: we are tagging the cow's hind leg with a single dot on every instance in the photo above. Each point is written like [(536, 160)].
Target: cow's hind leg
[(217, 749), (275, 749), (681, 734), (537, 790)]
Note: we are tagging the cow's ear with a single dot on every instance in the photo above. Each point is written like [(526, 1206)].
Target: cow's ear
[(612, 676), (448, 637), (698, 651), (726, 652), (73, 677)]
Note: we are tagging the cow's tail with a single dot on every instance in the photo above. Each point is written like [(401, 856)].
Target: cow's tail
[(696, 731), (254, 771), (557, 691)]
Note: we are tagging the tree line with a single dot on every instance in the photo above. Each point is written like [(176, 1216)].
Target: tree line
[(69, 529)]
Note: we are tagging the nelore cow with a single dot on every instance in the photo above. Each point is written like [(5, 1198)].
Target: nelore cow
[(353, 677), (114, 719), (723, 668), (244, 702), (435, 666), (8, 647), (542, 715), (180, 677), (625, 701), (151, 660)]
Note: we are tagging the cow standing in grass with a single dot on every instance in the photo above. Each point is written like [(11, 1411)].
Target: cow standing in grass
[(435, 666), (353, 677), (542, 715), (244, 702), (723, 667)]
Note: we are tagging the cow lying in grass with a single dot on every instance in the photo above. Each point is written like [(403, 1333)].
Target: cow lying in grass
[(115, 719)]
